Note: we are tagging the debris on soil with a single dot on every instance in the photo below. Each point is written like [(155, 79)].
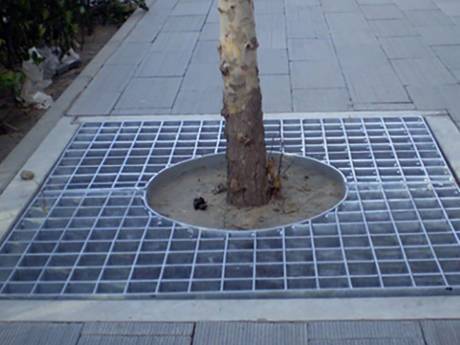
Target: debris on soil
[(306, 177), (27, 175), (20, 119), (200, 204), (300, 199), (220, 188), (274, 178)]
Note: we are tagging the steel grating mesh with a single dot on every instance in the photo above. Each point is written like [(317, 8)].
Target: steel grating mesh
[(86, 232)]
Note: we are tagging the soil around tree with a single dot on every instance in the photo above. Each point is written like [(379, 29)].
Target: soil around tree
[(306, 192), (16, 120)]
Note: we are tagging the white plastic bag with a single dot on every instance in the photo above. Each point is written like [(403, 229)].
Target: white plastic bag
[(32, 90)]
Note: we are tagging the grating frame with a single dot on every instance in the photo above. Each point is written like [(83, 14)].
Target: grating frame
[(87, 233)]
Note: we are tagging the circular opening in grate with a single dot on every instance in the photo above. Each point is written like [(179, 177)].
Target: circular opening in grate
[(309, 188)]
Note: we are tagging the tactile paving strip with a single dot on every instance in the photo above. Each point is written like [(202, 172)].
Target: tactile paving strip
[(87, 234)]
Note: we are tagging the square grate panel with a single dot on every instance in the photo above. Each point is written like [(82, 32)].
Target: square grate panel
[(87, 234)]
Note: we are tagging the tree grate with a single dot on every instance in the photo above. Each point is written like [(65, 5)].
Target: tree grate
[(87, 233)]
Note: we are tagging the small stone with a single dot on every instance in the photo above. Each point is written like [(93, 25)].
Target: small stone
[(200, 204), (27, 175), (220, 188)]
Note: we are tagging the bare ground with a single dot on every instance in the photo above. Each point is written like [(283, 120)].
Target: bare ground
[(16, 120), (306, 192)]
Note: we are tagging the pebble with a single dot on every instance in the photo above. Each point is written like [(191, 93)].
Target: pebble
[(27, 175)]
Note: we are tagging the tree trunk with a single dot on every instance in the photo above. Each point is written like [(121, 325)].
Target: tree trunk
[(247, 181)]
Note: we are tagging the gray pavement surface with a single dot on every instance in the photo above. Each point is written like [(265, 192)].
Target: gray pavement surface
[(315, 55), (440, 332)]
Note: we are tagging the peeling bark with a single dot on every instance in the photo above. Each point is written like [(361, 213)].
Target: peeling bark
[(247, 182)]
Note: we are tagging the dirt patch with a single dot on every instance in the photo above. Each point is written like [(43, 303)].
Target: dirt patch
[(16, 121), (307, 190)]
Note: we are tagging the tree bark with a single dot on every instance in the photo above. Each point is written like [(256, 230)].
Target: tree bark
[(247, 181)]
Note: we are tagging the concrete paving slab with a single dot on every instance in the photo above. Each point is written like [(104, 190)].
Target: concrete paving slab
[(370, 77), (147, 30), (202, 77), (111, 78), (174, 41), (190, 8), (129, 53), (271, 31), (428, 18), (362, 41), (451, 8), (416, 4), (307, 23), (310, 49), (276, 93), (141, 112), (347, 22), (424, 71), (440, 35), (213, 15), (376, 84), (189, 23), (133, 340), (449, 56), (165, 64), (383, 106), (374, 2), (39, 333), (256, 333), (438, 97), (370, 55), (103, 91), (316, 74), (445, 332), (456, 73), (386, 11), (426, 97), (206, 53), (392, 28), (364, 329), (149, 93), (162, 6), (321, 99), (137, 328), (296, 5), (269, 6), (91, 104), (339, 6), (381, 341), (272, 61), (210, 32), (203, 101), (405, 47)]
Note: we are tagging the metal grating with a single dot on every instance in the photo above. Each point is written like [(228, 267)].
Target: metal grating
[(87, 234)]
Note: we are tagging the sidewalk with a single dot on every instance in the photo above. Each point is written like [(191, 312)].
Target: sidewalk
[(314, 55), (237, 333)]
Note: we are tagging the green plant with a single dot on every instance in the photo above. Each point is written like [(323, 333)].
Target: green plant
[(28, 23), (11, 81), (114, 11)]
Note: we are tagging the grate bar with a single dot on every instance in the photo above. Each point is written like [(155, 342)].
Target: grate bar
[(87, 234)]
